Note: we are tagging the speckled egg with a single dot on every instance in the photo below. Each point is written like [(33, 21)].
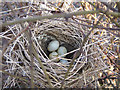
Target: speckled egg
[(53, 45), (62, 50)]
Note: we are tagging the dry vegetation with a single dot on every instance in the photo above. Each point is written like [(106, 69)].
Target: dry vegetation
[(89, 31)]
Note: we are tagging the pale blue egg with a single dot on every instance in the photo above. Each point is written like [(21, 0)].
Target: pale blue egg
[(53, 45), (62, 50), (64, 61), (53, 55)]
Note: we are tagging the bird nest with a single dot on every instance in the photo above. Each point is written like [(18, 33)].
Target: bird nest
[(27, 55), (70, 36)]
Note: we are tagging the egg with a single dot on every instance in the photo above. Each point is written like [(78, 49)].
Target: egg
[(62, 50), (63, 61), (53, 45), (53, 55)]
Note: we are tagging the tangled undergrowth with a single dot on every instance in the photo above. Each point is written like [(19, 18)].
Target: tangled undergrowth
[(89, 31)]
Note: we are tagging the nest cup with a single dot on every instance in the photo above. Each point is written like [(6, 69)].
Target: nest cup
[(68, 35), (60, 31)]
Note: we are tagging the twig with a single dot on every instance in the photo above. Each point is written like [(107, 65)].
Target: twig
[(14, 39), (28, 34), (14, 9), (32, 19), (77, 53), (98, 26), (42, 66)]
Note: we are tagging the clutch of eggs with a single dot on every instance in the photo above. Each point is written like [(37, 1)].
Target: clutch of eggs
[(52, 47)]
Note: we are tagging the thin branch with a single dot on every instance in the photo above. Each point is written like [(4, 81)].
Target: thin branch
[(89, 26), (78, 53), (28, 34), (32, 19), (42, 66)]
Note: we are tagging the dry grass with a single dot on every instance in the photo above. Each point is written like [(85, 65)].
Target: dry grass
[(92, 41)]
